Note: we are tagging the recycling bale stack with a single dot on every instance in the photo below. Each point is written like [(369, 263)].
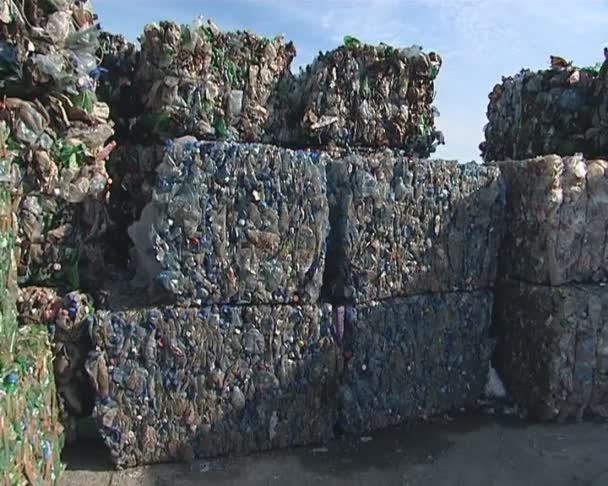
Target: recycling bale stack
[(30, 436), (57, 132), (412, 257), (363, 96), (553, 111), (550, 313), (67, 316), (243, 358)]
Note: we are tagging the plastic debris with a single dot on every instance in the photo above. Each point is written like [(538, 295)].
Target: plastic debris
[(556, 215), (404, 226), (413, 358), (176, 383), (67, 317), (234, 223), (551, 348), (30, 434), (362, 96)]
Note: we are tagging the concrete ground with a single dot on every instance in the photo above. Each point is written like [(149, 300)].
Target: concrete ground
[(466, 451)]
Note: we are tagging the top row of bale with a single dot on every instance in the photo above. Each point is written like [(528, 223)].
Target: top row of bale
[(235, 86)]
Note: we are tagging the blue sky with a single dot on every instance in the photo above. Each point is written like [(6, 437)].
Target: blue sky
[(479, 40)]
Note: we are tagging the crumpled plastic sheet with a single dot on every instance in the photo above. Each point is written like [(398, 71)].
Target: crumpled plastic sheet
[(555, 111), (413, 357), (196, 80), (68, 317), (233, 223), (557, 212), (30, 434), (552, 347), (177, 383), (363, 95), (404, 226)]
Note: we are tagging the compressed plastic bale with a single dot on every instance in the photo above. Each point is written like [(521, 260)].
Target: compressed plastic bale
[(404, 226), (413, 357), (552, 347), (368, 96), (234, 223), (175, 383), (30, 435), (542, 113), (67, 316), (196, 80), (557, 217)]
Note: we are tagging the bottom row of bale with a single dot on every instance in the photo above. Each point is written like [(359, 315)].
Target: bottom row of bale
[(173, 383)]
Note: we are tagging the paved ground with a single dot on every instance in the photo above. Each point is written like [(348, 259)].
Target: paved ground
[(465, 452)]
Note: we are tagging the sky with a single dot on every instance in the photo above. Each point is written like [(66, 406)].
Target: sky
[(479, 40)]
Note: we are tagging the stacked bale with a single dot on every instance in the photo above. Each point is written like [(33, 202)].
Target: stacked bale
[(57, 134), (196, 80), (550, 319), (414, 357), (364, 96), (30, 433), (177, 383), (412, 255), (67, 317), (247, 360), (234, 224), (561, 111), (404, 226)]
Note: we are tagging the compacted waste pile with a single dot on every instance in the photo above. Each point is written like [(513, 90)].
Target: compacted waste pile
[(268, 258), (551, 302)]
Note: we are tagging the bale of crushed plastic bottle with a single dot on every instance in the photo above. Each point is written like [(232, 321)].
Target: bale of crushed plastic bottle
[(552, 348), (30, 434), (67, 317), (232, 223), (557, 211), (196, 80), (366, 96), (176, 383), (414, 357), (541, 113), (404, 226)]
